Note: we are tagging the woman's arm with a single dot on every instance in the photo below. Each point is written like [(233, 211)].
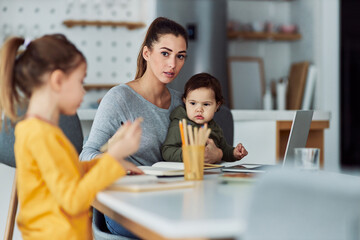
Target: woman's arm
[(109, 117)]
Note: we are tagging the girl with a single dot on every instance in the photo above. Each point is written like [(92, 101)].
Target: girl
[(55, 190), (202, 98)]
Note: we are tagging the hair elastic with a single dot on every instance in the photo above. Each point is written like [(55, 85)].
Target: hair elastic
[(27, 41)]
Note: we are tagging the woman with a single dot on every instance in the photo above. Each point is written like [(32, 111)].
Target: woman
[(161, 57)]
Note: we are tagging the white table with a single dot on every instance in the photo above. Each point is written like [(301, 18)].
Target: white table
[(211, 209)]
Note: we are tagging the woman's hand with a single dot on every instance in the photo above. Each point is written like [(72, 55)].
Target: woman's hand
[(213, 154), (240, 151)]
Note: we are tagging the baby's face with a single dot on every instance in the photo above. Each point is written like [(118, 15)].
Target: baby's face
[(201, 105)]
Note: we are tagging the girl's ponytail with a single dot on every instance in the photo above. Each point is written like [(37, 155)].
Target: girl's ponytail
[(9, 96)]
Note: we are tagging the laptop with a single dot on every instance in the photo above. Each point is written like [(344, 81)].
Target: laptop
[(297, 139)]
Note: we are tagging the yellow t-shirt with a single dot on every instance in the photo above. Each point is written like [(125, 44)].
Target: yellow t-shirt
[(55, 189)]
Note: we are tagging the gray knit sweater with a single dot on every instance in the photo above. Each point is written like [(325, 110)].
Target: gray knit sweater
[(122, 103)]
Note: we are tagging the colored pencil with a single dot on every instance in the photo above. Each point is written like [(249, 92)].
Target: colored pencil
[(181, 132), (185, 131), (191, 137)]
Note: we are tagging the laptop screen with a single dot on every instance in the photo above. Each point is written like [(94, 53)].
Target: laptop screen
[(298, 135)]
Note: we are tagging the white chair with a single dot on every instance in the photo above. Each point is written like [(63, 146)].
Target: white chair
[(288, 204), (7, 157)]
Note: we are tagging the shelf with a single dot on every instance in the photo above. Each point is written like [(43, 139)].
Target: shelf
[(88, 87), (264, 36), (266, 0), (128, 25)]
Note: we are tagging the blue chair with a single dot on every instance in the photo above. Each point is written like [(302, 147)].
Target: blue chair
[(72, 129), (100, 230), (224, 118)]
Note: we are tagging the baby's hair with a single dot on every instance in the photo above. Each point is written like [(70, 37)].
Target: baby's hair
[(204, 80), (22, 72), (159, 27)]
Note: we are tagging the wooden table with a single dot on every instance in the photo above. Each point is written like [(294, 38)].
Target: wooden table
[(265, 133), (315, 138)]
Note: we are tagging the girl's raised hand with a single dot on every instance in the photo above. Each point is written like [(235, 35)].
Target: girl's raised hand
[(126, 140)]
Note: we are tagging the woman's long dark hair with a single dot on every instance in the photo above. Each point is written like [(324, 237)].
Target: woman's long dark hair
[(160, 26)]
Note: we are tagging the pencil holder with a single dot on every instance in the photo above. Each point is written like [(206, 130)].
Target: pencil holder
[(193, 158)]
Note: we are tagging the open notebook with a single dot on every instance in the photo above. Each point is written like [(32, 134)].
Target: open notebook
[(145, 183), (171, 168), (297, 139)]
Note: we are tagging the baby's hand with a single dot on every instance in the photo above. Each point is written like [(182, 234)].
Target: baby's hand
[(240, 151)]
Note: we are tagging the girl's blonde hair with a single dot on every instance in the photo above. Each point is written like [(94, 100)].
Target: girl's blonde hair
[(160, 26), (21, 73)]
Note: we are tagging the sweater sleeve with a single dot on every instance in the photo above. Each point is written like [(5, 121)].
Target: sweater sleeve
[(59, 167), (228, 151), (87, 165), (109, 117), (220, 141), (171, 149)]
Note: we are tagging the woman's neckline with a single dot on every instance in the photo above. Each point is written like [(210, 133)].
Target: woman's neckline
[(142, 97)]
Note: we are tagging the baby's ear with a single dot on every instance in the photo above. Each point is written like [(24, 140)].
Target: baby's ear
[(218, 107)]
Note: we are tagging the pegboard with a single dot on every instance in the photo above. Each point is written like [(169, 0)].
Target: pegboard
[(111, 52)]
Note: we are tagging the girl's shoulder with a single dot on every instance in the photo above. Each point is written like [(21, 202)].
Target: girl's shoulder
[(35, 128)]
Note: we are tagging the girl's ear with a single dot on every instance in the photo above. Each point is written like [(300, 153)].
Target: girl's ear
[(56, 79), (184, 100), (146, 53)]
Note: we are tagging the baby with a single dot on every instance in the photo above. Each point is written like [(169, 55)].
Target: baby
[(202, 98)]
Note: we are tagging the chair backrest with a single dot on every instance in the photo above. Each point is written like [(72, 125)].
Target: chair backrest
[(288, 204), (69, 124), (224, 118), (7, 140), (100, 230), (72, 128)]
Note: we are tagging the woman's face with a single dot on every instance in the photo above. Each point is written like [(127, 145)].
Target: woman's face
[(166, 58)]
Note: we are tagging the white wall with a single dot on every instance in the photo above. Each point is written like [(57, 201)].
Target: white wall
[(318, 21), (328, 94), (276, 55)]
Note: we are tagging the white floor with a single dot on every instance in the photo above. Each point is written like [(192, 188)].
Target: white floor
[(6, 180)]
